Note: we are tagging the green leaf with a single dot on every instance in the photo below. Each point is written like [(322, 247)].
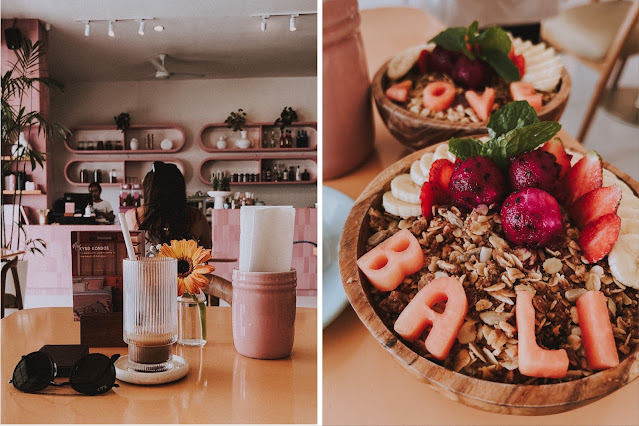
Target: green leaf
[(501, 63), (518, 141), (511, 116), (465, 148), (494, 38), (451, 39)]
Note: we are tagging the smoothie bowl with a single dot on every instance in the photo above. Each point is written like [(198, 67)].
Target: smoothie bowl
[(498, 319), (449, 87)]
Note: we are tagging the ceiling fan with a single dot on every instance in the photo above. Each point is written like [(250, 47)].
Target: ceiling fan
[(162, 73)]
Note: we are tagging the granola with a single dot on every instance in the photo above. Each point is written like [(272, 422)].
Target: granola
[(469, 247)]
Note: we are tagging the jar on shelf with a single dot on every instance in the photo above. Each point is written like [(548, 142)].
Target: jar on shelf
[(113, 176), (97, 175), (84, 176), (136, 198), (125, 195)]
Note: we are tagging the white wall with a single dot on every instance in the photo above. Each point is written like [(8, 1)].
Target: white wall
[(191, 103)]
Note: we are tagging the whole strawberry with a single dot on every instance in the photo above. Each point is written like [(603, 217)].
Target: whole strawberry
[(443, 60), (475, 181), (534, 169), (532, 217), (470, 73)]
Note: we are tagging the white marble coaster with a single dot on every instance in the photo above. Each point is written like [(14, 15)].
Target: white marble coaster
[(124, 373)]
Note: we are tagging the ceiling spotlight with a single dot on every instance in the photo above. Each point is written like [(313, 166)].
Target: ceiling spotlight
[(87, 28), (158, 28), (141, 29), (263, 23), (292, 26), (110, 32)]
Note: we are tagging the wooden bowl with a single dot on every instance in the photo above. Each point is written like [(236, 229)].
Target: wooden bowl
[(477, 393), (417, 132)]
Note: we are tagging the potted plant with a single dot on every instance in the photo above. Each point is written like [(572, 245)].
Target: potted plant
[(122, 121), (19, 83), (287, 117), (237, 121), (220, 189)]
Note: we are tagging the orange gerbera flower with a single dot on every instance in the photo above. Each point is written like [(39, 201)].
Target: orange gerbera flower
[(191, 264)]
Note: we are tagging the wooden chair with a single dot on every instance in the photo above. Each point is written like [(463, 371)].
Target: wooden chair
[(218, 288), (10, 301), (601, 35)]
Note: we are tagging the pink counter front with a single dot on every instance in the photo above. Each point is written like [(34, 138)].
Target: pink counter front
[(226, 243), (49, 280)]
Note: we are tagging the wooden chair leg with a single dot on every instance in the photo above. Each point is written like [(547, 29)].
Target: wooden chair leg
[(618, 71), (592, 107)]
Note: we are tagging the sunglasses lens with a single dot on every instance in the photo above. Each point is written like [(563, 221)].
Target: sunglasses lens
[(34, 372), (93, 374)]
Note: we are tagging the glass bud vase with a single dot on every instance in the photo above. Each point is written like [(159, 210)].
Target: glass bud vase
[(191, 319)]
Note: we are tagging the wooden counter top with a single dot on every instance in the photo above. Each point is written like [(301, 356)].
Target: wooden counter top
[(220, 387)]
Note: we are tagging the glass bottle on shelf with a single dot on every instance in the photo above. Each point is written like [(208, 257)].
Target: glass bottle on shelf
[(289, 139), (282, 139), (272, 143), (291, 174), (298, 174), (265, 142), (84, 176), (285, 174), (97, 176), (113, 177), (269, 175)]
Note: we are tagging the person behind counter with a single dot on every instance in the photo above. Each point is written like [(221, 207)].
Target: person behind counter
[(102, 208), (165, 216)]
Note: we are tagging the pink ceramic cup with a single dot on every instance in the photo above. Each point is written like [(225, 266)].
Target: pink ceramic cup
[(263, 308)]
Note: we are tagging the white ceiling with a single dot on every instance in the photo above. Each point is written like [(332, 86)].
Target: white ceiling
[(217, 38)]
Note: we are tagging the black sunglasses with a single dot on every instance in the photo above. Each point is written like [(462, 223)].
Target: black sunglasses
[(93, 374)]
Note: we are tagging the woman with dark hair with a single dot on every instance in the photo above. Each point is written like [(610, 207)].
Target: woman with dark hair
[(165, 216)]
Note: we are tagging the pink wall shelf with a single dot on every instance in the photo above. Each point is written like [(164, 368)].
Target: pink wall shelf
[(124, 168), (254, 164), (210, 134), (89, 136)]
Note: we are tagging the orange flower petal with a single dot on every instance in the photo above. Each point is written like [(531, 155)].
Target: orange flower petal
[(203, 269)]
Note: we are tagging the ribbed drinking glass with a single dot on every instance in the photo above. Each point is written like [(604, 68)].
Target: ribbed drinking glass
[(150, 311)]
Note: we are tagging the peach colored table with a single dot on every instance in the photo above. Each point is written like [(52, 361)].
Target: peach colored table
[(362, 384), (220, 387)]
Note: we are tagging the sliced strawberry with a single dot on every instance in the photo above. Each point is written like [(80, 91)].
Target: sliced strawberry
[(423, 62), (596, 203), (399, 91), (440, 172), (525, 91), (430, 196), (583, 177), (438, 95), (556, 148), (481, 104), (519, 61), (597, 238)]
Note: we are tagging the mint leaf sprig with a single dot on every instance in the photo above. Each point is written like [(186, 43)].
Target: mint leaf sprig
[(513, 130), (493, 47)]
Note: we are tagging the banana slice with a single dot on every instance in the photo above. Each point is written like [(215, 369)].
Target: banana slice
[(425, 162), (404, 189), (416, 174), (629, 226), (627, 212), (403, 62), (543, 66), (400, 208), (443, 152), (623, 260)]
